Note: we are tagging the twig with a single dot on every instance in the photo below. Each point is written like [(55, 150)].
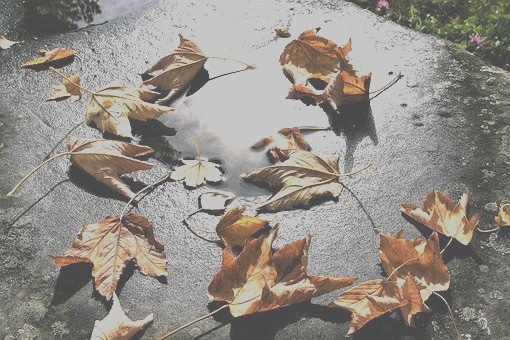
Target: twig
[(167, 335), (387, 86)]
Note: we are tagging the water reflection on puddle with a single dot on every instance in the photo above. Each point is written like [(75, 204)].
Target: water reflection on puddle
[(67, 15), (232, 112)]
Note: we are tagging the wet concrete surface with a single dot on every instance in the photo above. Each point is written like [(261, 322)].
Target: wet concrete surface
[(444, 125)]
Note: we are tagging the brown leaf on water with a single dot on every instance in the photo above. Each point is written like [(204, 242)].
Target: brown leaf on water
[(368, 301), (111, 107), (49, 57), (441, 215), (176, 70), (286, 138), (503, 218), (301, 178), (6, 43), (117, 326), (106, 159), (418, 258), (260, 280), (235, 229), (110, 245), (70, 89)]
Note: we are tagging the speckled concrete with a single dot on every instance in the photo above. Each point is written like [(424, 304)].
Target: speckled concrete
[(444, 125)]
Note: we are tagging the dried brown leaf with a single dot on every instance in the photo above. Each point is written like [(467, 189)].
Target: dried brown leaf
[(299, 179), (49, 57), (235, 229), (439, 214), (106, 159), (176, 70), (258, 280), (70, 89), (117, 326), (110, 245), (503, 218), (111, 107)]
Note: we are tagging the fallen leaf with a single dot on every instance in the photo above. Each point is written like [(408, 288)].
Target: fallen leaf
[(260, 280), (368, 301), (333, 94), (177, 69), (110, 245), (299, 179), (50, 57), (106, 159), (213, 201), (439, 214), (355, 89), (6, 43), (503, 218), (111, 107), (70, 89), (418, 258), (310, 56), (410, 292), (117, 326), (235, 229), (286, 138), (196, 172)]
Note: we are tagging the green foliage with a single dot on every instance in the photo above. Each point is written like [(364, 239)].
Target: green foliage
[(456, 20)]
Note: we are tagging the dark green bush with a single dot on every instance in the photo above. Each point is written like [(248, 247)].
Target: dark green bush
[(480, 26)]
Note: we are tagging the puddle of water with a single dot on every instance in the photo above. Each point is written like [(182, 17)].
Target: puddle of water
[(67, 15), (232, 112)]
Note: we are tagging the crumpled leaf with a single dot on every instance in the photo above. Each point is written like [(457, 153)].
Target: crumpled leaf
[(6, 43), (106, 159), (49, 57), (196, 172), (110, 245), (368, 301), (117, 326), (176, 70), (282, 32), (260, 280), (439, 214), (286, 138), (235, 229), (111, 107), (418, 258), (70, 89), (311, 56), (298, 180), (503, 218)]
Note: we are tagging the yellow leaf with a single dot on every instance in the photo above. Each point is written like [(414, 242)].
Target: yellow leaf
[(49, 57), (235, 229)]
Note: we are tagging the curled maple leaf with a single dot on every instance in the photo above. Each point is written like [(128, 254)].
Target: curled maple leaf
[(260, 280), (440, 214), (116, 325), (110, 244), (105, 159), (70, 89), (177, 69), (235, 229), (50, 57)]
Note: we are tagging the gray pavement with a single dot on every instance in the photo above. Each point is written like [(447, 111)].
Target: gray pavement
[(444, 125)]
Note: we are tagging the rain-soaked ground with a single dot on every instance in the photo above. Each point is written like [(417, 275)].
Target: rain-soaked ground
[(444, 125)]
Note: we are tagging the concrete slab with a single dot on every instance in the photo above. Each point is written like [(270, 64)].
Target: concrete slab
[(445, 125)]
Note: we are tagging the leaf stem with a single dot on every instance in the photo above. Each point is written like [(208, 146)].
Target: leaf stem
[(368, 165), (159, 181), (187, 222), (403, 264), (447, 245), (197, 149), (451, 314), (28, 175), (72, 82), (167, 335), (248, 66), (488, 230), (387, 86)]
